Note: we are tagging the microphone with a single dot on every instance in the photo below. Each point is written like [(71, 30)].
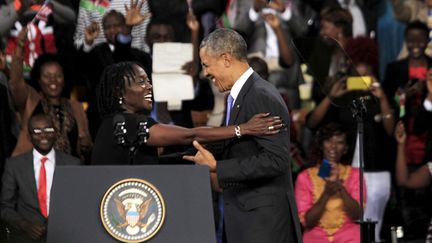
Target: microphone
[(142, 129), (119, 129)]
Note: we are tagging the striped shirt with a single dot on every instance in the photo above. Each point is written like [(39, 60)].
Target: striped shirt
[(91, 10)]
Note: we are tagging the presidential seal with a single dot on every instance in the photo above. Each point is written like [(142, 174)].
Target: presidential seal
[(132, 210)]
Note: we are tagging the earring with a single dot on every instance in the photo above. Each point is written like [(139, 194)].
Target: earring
[(120, 100)]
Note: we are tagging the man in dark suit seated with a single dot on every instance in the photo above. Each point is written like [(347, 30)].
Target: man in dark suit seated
[(253, 173), (27, 182)]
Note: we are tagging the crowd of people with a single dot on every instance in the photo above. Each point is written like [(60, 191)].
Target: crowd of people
[(274, 86)]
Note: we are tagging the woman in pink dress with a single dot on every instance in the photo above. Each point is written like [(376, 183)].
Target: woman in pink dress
[(328, 204)]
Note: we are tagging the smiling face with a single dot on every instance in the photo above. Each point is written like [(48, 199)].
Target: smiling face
[(51, 80), (215, 69), (42, 133), (335, 147), (416, 41), (138, 93), (112, 25), (160, 33), (329, 30)]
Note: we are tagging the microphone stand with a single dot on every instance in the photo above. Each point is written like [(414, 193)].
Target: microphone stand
[(142, 136), (367, 228), (132, 150)]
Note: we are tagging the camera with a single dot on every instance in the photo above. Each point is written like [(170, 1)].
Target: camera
[(359, 82)]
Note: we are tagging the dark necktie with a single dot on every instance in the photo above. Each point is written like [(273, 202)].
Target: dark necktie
[(42, 188)]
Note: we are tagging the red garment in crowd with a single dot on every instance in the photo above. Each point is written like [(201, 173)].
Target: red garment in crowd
[(415, 147), (40, 37)]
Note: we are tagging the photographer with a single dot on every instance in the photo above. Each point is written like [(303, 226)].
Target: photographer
[(379, 122)]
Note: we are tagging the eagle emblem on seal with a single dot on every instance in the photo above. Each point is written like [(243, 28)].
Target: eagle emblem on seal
[(132, 210)]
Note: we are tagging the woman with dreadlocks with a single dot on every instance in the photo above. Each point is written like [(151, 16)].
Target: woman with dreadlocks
[(125, 91)]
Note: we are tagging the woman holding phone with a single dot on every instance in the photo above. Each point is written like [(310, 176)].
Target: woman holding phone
[(327, 193)]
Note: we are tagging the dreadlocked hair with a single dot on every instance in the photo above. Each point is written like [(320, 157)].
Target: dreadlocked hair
[(112, 87)]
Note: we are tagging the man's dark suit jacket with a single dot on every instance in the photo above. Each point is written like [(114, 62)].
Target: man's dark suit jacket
[(19, 200), (255, 173)]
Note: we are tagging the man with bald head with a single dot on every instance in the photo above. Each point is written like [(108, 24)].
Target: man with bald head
[(253, 173)]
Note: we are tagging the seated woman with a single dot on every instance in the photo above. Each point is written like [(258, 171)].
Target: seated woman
[(329, 205), (125, 101), (379, 122), (69, 118)]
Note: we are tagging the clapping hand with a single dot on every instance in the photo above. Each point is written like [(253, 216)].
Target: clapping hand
[(133, 13), (334, 171), (192, 22), (91, 33), (202, 157), (272, 20), (333, 183), (21, 40), (277, 5), (258, 5), (332, 187), (400, 134), (22, 36)]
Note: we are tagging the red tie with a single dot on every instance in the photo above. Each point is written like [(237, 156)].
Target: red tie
[(42, 190)]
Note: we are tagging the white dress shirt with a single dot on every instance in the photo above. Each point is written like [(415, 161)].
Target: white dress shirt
[(272, 47), (359, 24), (235, 90), (49, 168)]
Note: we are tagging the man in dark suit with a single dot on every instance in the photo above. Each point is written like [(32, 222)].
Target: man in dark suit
[(27, 182), (253, 173)]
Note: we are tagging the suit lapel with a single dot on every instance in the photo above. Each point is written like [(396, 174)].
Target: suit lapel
[(59, 159), (29, 175), (240, 98)]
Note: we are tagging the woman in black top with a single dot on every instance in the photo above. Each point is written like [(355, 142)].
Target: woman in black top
[(125, 95)]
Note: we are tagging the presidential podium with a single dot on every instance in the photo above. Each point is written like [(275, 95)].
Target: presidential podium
[(78, 191)]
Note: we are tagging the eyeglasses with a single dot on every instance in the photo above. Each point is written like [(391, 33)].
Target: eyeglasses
[(48, 130)]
